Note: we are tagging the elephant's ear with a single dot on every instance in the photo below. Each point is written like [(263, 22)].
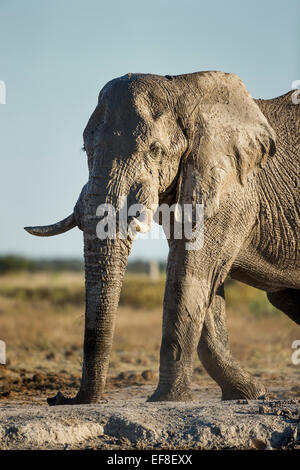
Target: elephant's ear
[(228, 137)]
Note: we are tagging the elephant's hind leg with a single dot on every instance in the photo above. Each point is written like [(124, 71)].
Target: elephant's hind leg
[(215, 355), (288, 301)]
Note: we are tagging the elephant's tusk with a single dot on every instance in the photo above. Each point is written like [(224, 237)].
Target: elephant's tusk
[(142, 226), (54, 229)]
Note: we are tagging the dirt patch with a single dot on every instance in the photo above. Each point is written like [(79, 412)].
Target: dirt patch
[(127, 421), (44, 355), (26, 386), (29, 386)]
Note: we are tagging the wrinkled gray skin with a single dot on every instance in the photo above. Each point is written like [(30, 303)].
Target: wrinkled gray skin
[(191, 138)]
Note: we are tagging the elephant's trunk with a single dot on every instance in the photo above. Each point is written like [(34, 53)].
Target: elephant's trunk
[(105, 264)]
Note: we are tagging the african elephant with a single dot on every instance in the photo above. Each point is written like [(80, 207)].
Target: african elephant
[(194, 138)]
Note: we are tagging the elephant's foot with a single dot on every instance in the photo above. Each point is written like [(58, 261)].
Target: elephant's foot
[(171, 395), (60, 399), (249, 391)]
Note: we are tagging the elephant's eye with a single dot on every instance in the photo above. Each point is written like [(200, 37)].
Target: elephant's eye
[(156, 149), (83, 148)]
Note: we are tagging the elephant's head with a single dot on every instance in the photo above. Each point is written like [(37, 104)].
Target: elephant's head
[(188, 138)]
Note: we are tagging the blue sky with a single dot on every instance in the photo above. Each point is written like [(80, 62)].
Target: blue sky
[(55, 57)]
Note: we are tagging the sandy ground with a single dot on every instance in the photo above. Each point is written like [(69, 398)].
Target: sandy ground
[(126, 421), (44, 349)]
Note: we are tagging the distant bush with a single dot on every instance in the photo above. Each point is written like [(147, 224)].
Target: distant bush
[(14, 263), (141, 266), (261, 307), (142, 293), (136, 292), (59, 265), (238, 295), (57, 296)]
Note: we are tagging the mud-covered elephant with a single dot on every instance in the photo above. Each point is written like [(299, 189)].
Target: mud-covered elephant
[(188, 139)]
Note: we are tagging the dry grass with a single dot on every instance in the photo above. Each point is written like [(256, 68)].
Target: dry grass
[(44, 332)]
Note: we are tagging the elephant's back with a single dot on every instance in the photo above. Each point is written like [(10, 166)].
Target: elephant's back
[(283, 114)]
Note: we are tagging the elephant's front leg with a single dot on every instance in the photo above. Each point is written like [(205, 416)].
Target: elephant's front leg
[(184, 311), (215, 355)]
